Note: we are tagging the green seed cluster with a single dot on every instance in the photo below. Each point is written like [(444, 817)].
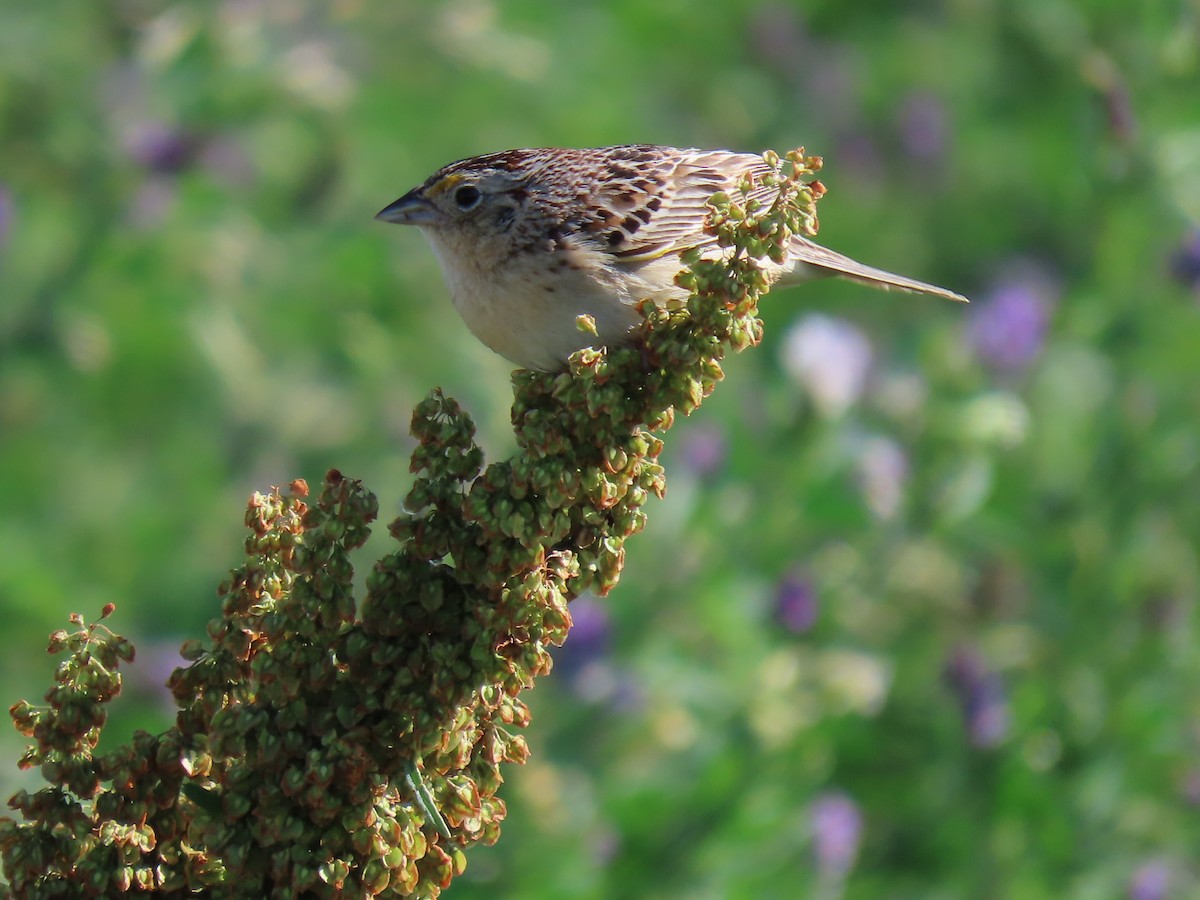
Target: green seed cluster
[(326, 748)]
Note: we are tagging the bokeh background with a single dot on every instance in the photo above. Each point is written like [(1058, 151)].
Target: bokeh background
[(917, 617)]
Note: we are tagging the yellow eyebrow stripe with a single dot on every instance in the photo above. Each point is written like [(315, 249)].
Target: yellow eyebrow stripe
[(444, 184)]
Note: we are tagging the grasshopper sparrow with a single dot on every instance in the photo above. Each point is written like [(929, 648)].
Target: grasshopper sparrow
[(529, 240)]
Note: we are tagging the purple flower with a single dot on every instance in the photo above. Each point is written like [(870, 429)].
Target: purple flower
[(837, 830), (704, 449), (152, 202), (585, 664), (1152, 881), (796, 602), (1008, 327), (858, 151), (160, 148), (227, 160), (830, 82), (587, 644), (778, 36), (924, 132), (155, 662), (1185, 262), (6, 214), (981, 695), (830, 358), (1113, 90), (1190, 788)]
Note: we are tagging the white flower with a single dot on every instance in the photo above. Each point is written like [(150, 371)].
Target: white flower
[(882, 471), (830, 358)]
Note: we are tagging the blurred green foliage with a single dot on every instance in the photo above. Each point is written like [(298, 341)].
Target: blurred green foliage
[(917, 617)]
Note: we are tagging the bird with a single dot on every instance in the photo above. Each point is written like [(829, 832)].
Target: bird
[(529, 240)]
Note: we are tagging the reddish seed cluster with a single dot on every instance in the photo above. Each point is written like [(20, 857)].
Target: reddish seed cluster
[(329, 748)]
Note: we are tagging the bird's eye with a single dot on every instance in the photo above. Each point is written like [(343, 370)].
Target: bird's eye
[(467, 197)]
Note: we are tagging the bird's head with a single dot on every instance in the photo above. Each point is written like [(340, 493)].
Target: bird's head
[(476, 204)]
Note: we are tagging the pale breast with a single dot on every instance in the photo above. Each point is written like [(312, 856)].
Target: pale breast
[(528, 312)]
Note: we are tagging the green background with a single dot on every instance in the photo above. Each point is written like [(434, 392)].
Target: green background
[(934, 635)]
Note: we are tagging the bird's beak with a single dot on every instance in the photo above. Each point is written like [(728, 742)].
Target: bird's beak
[(411, 209)]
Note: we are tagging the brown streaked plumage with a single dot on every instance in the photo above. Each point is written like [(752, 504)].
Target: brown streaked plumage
[(529, 240)]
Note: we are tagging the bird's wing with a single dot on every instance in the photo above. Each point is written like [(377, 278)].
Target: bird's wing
[(652, 202), (653, 205)]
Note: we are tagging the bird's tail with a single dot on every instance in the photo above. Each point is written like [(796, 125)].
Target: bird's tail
[(813, 259)]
